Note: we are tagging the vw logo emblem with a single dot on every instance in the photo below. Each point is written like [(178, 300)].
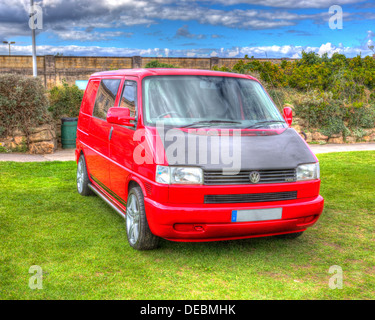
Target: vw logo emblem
[(254, 177)]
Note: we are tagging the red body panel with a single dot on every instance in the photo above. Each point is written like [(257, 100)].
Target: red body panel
[(178, 212), (97, 156), (215, 220)]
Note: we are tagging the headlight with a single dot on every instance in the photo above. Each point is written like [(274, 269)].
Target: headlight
[(163, 175), (179, 175), (182, 175), (309, 171)]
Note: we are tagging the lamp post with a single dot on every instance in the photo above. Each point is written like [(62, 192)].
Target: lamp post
[(9, 43), (35, 69)]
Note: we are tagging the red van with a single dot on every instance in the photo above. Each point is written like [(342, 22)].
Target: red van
[(194, 155)]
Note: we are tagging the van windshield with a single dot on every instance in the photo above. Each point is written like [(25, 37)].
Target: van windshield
[(206, 101)]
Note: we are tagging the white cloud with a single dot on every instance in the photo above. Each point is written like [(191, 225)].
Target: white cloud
[(303, 4), (84, 36), (233, 53), (328, 48), (68, 15), (286, 51)]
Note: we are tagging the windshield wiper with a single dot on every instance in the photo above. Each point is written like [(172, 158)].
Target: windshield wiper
[(259, 124), (204, 122)]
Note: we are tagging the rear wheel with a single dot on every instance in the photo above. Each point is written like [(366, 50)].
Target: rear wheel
[(83, 178), (290, 235), (137, 228)]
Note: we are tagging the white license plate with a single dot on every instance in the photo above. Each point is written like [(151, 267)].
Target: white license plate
[(257, 215)]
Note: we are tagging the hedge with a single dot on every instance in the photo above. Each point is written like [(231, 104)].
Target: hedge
[(23, 103)]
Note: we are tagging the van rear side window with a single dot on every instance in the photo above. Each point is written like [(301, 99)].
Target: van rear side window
[(105, 97)]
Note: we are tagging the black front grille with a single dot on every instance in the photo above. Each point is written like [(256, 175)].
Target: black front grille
[(250, 198), (243, 177)]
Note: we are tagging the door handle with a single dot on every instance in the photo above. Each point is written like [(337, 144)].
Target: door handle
[(110, 134)]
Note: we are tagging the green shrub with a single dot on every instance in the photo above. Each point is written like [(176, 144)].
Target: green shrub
[(311, 58), (65, 100), (344, 86), (361, 116), (325, 111), (222, 68), (157, 64), (309, 77), (3, 149), (23, 103), (317, 107), (334, 125), (359, 133)]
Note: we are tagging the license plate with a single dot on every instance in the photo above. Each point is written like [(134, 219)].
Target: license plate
[(257, 215)]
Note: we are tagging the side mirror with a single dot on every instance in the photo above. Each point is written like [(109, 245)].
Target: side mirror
[(288, 115), (120, 116)]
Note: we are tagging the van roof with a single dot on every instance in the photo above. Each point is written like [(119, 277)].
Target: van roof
[(141, 73)]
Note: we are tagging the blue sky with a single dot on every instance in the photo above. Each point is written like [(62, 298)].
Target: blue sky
[(225, 28)]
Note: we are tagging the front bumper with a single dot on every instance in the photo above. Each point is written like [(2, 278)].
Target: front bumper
[(213, 222)]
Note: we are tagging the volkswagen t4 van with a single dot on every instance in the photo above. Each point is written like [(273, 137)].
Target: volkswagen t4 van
[(194, 155)]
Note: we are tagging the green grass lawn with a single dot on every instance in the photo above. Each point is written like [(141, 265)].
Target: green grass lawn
[(81, 244)]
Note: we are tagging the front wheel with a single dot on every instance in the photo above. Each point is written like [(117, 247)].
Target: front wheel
[(139, 235)]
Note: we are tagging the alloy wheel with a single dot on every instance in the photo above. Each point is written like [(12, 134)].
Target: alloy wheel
[(80, 175), (133, 219)]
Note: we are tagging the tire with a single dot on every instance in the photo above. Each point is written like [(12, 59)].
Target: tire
[(137, 228), (83, 178), (294, 235)]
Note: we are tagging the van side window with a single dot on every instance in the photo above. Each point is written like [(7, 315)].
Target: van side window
[(105, 97), (129, 97)]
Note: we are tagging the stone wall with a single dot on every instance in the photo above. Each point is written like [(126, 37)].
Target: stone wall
[(40, 140), (53, 69), (313, 135)]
